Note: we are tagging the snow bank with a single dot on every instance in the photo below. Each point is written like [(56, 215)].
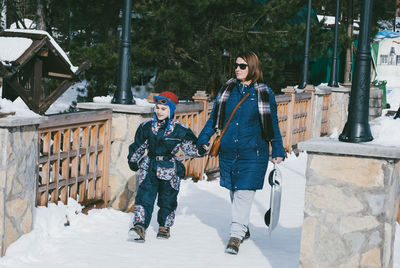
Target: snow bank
[(18, 106), (385, 131)]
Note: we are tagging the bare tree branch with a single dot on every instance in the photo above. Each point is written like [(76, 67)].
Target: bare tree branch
[(250, 32)]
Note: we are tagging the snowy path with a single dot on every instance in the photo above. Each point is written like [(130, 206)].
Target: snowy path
[(198, 239)]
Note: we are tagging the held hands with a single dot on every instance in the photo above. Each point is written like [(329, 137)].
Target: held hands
[(202, 150)]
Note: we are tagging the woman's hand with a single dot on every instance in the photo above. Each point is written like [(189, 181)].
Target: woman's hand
[(277, 160)]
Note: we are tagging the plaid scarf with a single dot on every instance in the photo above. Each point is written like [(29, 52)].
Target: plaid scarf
[(264, 108)]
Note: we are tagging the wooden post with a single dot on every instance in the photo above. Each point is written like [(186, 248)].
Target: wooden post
[(106, 190), (289, 124), (202, 97), (310, 110), (37, 91)]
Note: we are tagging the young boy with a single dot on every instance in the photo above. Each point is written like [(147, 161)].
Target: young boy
[(159, 172)]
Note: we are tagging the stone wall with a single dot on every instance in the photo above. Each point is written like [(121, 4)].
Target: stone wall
[(125, 121), (19, 156), (350, 204)]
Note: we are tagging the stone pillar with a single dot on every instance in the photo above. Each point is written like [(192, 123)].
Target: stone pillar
[(375, 103), (350, 204), (338, 111), (125, 121), (18, 166), (317, 112)]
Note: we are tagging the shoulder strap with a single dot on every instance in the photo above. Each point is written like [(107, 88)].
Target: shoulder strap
[(233, 112)]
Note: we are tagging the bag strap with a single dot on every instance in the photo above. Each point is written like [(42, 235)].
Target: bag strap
[(233, 112)]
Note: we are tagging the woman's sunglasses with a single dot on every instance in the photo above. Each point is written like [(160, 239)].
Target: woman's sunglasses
[(161, 101), (242, 66)]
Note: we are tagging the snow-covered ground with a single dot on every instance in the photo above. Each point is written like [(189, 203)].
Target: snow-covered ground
[(199, 235), (198, 238)]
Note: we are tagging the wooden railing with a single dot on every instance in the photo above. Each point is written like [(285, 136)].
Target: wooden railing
[(75, 148), (74, 151), (295, 111), (190, 115)]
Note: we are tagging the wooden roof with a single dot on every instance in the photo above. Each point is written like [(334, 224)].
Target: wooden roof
[(44, 58), (54, 62)]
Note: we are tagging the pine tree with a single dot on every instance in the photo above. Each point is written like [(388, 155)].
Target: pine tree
[(193, 43), (188, 45)]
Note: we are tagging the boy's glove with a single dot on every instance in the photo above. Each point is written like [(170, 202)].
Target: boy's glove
[(133, 165), (201, 149)]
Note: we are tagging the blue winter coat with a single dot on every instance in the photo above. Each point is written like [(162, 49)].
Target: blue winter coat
[(153, 137), (244, 154)]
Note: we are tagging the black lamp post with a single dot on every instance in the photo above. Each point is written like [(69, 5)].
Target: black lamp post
[(333, 81), (123, 94), (357, 127), (304, 80)]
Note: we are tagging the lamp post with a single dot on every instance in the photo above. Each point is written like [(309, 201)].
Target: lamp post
[(333, 80), (357, 127), (304, 81), (123, 94)]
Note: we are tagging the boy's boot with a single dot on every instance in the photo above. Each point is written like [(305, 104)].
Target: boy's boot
[(163, 232), (247, 234), (233, 245), (137, 234)]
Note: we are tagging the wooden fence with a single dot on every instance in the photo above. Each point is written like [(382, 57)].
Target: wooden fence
[(74, 151)]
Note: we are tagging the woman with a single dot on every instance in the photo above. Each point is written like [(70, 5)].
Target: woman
[(244, 150)]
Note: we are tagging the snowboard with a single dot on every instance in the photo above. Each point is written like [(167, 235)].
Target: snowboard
[(271, 217)]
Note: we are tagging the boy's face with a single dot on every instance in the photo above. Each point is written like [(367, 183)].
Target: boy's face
[(162, 111)]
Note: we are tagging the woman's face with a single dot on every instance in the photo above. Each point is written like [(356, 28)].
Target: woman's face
[(162, 111), (239, 72)]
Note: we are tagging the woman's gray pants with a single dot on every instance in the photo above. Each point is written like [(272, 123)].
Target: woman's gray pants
[(241, 204)]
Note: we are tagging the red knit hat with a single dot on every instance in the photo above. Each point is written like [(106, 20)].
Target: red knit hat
[(169, 95)]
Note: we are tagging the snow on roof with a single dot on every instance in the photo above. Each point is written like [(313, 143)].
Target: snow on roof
[(28, 23), (11, 48), (53, 42)]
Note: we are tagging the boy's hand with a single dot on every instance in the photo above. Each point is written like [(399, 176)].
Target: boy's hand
[(202, 149), (133, 165)]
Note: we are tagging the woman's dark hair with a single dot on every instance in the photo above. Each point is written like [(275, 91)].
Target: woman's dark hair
[(255, 74)]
